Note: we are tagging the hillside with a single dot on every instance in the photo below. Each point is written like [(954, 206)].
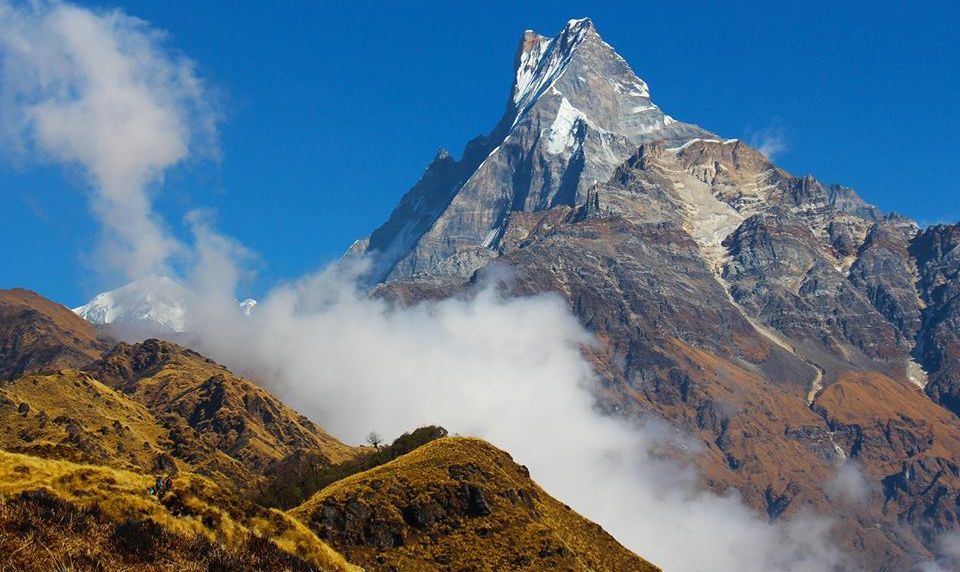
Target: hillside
[(218, 422), (458, 504), (62, 515), (70, 415), (37, 334)]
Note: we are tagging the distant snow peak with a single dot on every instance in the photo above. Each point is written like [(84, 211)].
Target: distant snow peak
[(156, 302), (152, 305)]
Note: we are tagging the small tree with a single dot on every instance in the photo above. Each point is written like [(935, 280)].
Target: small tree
[(375, 439)]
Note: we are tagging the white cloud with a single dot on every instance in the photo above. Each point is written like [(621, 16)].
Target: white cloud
[(508, 370), (100, 91), (771, 141), (948, 554), (850, 485)]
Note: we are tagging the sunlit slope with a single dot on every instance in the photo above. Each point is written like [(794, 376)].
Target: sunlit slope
[(458, 504), (37, 334), (219, 422), (196, 509)]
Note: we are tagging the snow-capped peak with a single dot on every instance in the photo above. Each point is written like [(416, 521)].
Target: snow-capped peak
[(154, 305), (542, 60), (156, 302)]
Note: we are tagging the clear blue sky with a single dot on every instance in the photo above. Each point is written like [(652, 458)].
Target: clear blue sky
[(333, 109)]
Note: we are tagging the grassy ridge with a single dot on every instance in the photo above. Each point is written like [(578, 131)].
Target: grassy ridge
[(297, 478), (458, 504), (195, 509)]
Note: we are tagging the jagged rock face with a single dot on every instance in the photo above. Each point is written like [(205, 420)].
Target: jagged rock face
[(728, 296), (779, 273), (37, 334), (937, 253), (886, 273), (576, 112)]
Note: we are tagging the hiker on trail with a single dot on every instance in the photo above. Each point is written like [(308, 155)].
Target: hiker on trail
[(161, 487)]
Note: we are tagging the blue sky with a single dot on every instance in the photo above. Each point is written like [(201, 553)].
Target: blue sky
[(332, 110)]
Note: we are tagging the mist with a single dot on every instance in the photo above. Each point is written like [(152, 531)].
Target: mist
[(509, 370)]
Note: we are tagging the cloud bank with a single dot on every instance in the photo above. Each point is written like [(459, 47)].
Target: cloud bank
[(99, 90), (507, 370)]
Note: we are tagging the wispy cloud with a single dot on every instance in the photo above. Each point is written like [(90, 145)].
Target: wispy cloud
[(850, 485), (101, 91), (771, 141)]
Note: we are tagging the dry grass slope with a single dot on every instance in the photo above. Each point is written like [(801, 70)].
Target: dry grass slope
[(39, 335), (220, 423), (195, 511), (458, 504), (69, 415)]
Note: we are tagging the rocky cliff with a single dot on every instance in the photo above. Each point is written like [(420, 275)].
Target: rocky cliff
[(786, 323)]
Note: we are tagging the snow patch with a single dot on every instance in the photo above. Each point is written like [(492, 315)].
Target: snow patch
[(697, 140), (247, 306), (916, 374), (562, 134)]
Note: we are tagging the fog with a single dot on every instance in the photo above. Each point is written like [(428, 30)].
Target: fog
[(509, 370)]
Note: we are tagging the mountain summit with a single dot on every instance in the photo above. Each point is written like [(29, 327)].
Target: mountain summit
[(152, 306), (156, 303), (576, 112), (789, 326)]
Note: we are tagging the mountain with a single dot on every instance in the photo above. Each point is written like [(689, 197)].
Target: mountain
[(788, 325), (81, 448), (152, 306), (156, 303), (37, 334), (576, 112), (458, 504)]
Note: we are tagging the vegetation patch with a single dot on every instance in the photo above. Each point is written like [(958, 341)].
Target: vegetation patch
[(297, 478)]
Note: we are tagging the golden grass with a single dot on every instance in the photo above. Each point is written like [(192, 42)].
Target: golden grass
[(524, 528), (108, 427), (196, 506)]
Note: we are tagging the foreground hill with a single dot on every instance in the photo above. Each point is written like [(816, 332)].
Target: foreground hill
[(458, 504), (79, 450), (57, 515)]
